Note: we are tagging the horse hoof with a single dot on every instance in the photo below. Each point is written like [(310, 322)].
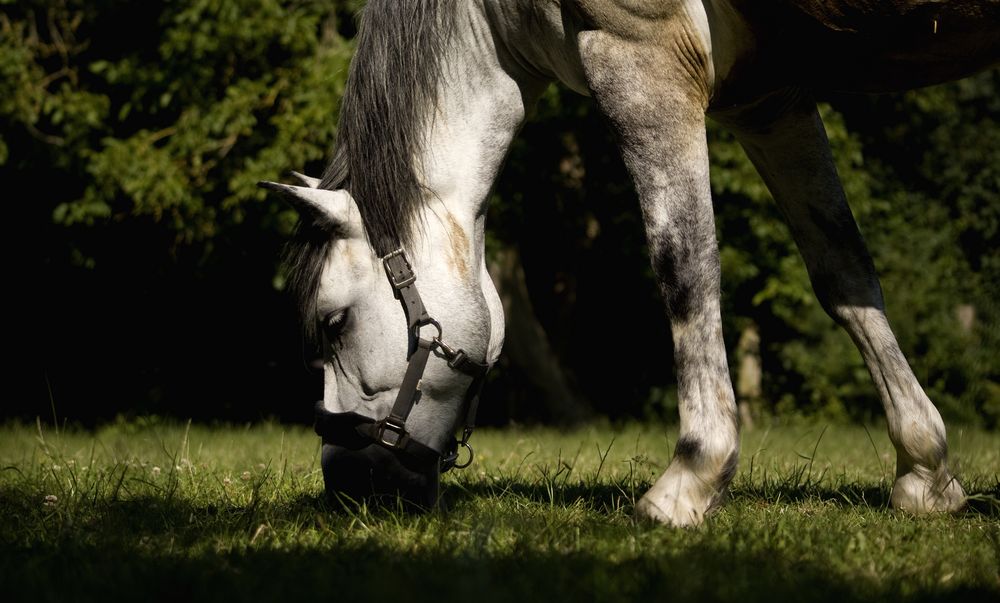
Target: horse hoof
[(670, 512), (922, 491)]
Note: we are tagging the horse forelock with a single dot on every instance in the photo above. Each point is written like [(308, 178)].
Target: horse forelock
[(391, 91), (304, 258)]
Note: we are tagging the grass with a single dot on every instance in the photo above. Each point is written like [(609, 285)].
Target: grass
[(155, 511)]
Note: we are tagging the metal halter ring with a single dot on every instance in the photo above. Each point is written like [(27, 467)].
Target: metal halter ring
[(439, 346), (472, 455), (433, 323)]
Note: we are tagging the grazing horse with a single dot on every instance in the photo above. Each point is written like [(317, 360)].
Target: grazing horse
[(437, 90)]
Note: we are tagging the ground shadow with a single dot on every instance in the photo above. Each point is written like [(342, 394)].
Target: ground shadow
[(172, 549), (369, 571)]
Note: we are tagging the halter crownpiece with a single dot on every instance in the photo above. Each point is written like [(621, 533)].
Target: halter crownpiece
[(355, 431)]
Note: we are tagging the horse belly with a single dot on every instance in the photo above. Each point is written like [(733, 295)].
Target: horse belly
[(875, 45)]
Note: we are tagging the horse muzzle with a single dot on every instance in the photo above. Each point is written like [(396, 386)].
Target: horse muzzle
[(376, 474)]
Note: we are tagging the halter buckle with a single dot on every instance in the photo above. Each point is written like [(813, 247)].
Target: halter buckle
[(406, 275), (392, 426)]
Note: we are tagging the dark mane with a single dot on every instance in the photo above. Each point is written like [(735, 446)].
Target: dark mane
[(391, 90), (390, 93), (304, 257)]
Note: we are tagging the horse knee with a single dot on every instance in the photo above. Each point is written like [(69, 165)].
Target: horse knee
[(689, 278)]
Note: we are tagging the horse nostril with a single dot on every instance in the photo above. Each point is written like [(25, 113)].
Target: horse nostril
[(368, 390), (376, 474)]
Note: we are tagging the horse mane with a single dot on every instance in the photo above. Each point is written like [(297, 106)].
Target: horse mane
[(391, 92)]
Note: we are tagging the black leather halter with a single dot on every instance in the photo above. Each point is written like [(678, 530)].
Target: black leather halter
[(355, 431)]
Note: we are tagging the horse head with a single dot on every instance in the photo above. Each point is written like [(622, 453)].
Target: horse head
[(402, 368)]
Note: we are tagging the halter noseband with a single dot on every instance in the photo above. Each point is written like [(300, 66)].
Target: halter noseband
[(355, 431)]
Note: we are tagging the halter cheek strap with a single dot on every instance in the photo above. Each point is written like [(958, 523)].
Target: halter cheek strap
[(356, 431)]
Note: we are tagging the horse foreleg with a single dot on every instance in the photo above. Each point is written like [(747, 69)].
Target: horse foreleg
[(655, 103), (785, 139)]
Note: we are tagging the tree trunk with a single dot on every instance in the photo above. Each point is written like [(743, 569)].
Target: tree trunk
[(527, 344), (748, 378)]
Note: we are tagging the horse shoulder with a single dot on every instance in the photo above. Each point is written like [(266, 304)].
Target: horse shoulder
[(670, 37)]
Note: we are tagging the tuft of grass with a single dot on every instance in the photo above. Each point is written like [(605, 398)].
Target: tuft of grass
[(179, 511)]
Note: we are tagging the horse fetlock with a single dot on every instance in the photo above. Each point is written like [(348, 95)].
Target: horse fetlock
[(920, 490), (919, 441)]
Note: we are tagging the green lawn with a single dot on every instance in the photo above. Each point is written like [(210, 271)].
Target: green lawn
[(174, 512)]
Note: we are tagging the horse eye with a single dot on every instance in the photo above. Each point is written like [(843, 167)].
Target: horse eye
[(333, 323)]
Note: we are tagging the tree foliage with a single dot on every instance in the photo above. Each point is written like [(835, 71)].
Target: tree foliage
[(174, 119)]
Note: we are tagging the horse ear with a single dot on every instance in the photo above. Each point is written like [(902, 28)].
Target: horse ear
[(330, 207), (306, 180)]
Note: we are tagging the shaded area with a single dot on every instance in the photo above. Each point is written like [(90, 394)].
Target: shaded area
[(189, 340), (177, 551), (373, 573)]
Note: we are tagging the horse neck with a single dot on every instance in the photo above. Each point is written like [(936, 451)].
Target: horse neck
[(479, 109)]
